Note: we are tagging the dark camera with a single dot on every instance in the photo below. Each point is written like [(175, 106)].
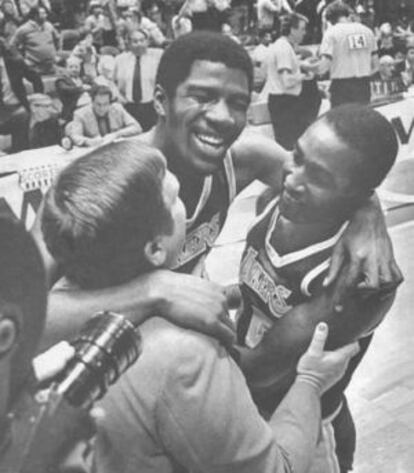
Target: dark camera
[(107, 345)]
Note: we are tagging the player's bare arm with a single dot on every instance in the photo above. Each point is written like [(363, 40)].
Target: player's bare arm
[(274, 359)]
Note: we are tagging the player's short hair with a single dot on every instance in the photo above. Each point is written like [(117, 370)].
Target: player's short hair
[(178, 58), (22, 289), (291, 21), (337, 10), (102, 210), (371, 135)]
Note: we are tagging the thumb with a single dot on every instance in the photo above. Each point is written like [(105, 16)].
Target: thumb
[(318, 341), (348, 351)]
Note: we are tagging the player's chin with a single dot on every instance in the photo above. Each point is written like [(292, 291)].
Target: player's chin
[(291, 211)]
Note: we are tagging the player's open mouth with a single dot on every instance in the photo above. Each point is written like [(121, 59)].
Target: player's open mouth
[(210, 140)]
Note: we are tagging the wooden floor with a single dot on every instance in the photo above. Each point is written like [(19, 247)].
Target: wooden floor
[(382, 392)]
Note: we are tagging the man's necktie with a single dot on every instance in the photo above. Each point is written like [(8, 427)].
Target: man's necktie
[(136, 84)]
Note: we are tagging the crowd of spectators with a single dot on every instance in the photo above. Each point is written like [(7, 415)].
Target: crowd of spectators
[(65, 49)]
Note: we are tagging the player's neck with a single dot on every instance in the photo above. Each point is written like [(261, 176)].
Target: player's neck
[(289, 236)]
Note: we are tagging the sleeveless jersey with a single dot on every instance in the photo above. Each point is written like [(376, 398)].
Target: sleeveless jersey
[(207, 220), (271, 285)]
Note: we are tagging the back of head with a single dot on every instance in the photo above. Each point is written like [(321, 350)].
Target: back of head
[(337, 10), (371, 135), (22, 296), (101, 211), (179, 57)]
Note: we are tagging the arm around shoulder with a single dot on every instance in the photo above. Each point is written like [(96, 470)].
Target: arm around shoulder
[(258, 157)]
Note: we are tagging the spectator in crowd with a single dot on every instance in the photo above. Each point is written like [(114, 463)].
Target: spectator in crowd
[(70, 88), (386, 45), (14, 106), (38, 41), (349, 52), (407, 68), (226, 29), (101, 121), (386, 82), (86, 52), (96, 22), (25, 6), (284, 78), (186, 394), (102, 24), (152, 10), (9, 20), (42, 126), (181, 23), (151, 23), (208, 14), (259, 58), (135, 72), (106, 68), (268, 12)]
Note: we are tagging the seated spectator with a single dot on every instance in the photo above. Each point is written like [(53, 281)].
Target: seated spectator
[(14, 106), (135, 72), (386, 83), (86, 52), (38, 40), (43, 128), (102, 121), (9, 20), (106, 68), (70, 88)]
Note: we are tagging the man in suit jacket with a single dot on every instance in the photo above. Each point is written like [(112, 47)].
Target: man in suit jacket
[(135, 72), (102, 121)]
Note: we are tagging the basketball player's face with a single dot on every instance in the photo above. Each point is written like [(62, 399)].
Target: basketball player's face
[(318, 181), (207, 114)]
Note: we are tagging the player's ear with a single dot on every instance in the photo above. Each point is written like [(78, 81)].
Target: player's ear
[(10, 320), (155, 252), (160, 101)]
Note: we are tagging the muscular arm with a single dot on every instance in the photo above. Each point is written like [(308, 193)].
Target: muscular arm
[(274, 359), (183, 299)]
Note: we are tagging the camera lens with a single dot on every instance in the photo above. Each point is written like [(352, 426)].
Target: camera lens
[(107, 345)]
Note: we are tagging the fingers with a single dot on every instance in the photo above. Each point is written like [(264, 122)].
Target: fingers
[(319, 338), (227, 331), (52, 361), (233, 296), (348, 351), (335, 265), (354, 272)]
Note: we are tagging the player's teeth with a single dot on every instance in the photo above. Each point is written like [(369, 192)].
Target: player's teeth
[(212, 140)]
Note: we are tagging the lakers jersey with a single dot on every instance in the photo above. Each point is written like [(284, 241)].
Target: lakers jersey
[(271, 285), (207, 220)]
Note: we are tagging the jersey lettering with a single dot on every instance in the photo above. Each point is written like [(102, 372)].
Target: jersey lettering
[(199, 240), (357, 41), (254, 276)]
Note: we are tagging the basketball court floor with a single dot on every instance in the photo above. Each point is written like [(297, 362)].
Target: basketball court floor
[(381, 394)]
